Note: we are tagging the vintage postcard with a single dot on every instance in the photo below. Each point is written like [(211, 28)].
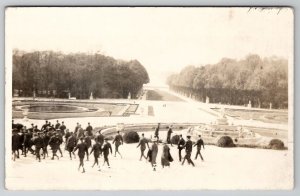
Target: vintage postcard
[(149, 98)]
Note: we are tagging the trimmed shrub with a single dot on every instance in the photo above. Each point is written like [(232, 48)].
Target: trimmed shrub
[(131, 137), (175, 139), (225, 141), (276, 144)]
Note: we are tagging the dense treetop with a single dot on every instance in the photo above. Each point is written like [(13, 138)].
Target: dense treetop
[(80, 74), (230, 81)]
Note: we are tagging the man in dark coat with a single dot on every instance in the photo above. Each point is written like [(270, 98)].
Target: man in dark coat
[(118, 141), (156, 133), (45, 126), (57, 125), (142, 143), (54, 143), (87, 141), (46, 138), (82, 150), (199, 143), (67, 135), (106, 148), (15, 144), (60, 137), (71, 144), (169, 135), (39, 143), (188, 150), (62, 128), (181, 143), (89, 130), (27, 144), (100, 138), (96, 149)]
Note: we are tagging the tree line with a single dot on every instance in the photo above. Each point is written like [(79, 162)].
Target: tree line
[(55, 74), (264, 82)]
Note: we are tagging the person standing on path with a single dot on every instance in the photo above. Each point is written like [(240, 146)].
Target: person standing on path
[(82, 150), (142, 144), (106, 148), (156, 133), (199, 143), (154, 151), (96, 149), (118, 141), (169, 135), (188, 150), (181, 143)]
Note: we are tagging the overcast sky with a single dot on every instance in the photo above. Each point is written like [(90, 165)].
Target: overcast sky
[(164, 40)]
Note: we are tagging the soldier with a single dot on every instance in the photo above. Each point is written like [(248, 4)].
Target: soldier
[(106, 148), (181, 143), (88, 141), (100, 138), (76, 129), (60, 137), (46, 138), (154, 151), (54, 143), (71, 144), (82, 149), (27, 144), (188, 150), (89, 130), (39, 143), (169, 135), (80, 132), (45, 125), (118, 141), (57, 125), (62, 128), (96, 149), (15, 144), (156, 133), (199, 143), (142, 143), (67, 135)]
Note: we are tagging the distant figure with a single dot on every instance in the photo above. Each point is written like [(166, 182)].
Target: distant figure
[(142, 143), (46, 138), (45, 125), (118, 141), (57, 125), (89, 130), (82, 149), (96, 149), (39, 143), (76, 129), (15, 144), (71, 144), (60, 137), (156, 133), (154, 151), (27, 144), (181, 143), (67, 135), (188, 151), (169, 135), (106, 148), (100, 138), (199, 143), (166, 157)]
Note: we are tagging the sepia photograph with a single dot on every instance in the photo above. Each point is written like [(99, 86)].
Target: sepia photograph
[(149, 98)]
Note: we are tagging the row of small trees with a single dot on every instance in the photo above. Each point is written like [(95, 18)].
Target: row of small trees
[(49, 73), (230, 81)]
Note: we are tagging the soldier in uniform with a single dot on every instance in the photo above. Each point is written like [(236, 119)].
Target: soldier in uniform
[(62, 128), (54, 143), (169, 135), (199, 143), (118, 141), (46, 138), (106, 148), (100, 138), (71, 144), (96, 149), (39, 143), (82, 149), (67, 135), (57, 125), (27, 144), (156, 133), (88, 141), (142, 143), (45, 126), (89, 130), (188, 150), (154, 151), (15, 144), (60, 137), (181, 143)]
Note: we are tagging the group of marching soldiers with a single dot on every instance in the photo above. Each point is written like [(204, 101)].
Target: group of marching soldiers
[(24, 139)]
